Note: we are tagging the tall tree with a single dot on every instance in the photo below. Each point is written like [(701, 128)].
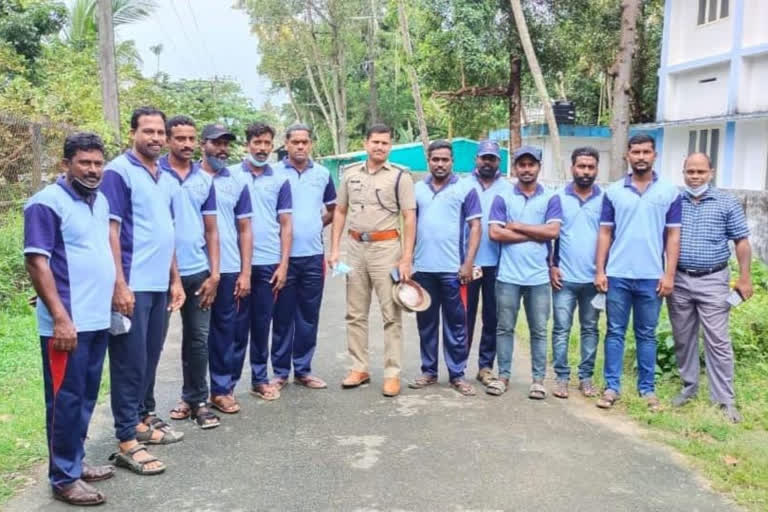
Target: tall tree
[(412, 76), (538, 78), (622, 73)]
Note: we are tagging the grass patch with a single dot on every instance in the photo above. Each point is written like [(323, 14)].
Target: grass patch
[(734, 458)]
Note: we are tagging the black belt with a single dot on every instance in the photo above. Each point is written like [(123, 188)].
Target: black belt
[(702, 272)]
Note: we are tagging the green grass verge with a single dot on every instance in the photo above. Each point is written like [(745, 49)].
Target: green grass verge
[(734, 458)]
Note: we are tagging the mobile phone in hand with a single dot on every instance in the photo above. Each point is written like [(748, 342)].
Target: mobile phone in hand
[(735, 298)]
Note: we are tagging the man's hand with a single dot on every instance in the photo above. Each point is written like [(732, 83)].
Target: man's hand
[(177, 296), (601, 282), (512, 225), (404, 269), (279, 277), (556, 278), (123, 299), (744, 287), (665, 286), (243, 285), (64, 334), (465, 273), (333, 259), (207, 292)]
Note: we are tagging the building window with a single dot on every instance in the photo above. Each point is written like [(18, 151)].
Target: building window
[(712, 10), (705, 141)]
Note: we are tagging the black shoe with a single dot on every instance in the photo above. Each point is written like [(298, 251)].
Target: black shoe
[(683, 398), (731, 412)]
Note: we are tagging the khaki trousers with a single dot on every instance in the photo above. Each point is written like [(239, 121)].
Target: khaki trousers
[(371, 264)]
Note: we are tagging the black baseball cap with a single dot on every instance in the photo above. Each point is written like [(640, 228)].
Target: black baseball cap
[(217, 131)]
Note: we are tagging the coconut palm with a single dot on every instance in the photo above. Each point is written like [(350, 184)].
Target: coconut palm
[(83, 27)]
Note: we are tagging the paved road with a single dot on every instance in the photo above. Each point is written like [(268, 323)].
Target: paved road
[(430, 450)]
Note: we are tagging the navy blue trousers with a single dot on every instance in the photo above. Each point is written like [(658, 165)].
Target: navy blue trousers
[(255, 318), (443, 287), (71, 383), (221, 335), (297, 313), (133, 359), (486, 352)]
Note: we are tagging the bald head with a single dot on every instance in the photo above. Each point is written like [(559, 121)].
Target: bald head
[(697, 170)]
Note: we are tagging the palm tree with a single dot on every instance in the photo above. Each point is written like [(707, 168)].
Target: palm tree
[(157, 49), (82, 26)]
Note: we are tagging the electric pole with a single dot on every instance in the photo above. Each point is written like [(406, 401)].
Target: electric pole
[(108, 68)]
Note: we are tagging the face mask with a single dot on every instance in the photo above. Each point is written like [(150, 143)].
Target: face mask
[(486, 171), (585, 181), (217, 164), (83, 188), (256, 163), (698, 191)]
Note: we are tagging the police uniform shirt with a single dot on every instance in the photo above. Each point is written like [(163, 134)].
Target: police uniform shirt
[(371, 199)]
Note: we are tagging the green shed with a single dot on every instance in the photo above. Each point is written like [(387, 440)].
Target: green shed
[(411, 155)]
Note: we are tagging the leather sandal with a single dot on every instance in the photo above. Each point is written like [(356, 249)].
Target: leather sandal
[(311, 382), (422, 382), (181, 411), (79, 493), (265, 391), (204, 417), (96, 473), (225, 403)]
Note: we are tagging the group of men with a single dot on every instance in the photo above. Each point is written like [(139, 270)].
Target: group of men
[(113, 249)]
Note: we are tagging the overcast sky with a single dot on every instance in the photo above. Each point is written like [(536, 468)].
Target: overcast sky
[(201, 39)]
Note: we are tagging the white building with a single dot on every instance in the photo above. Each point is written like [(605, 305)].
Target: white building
[(713, 89)]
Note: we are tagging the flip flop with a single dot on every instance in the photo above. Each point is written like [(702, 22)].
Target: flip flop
[(265, 392), (181, 411)]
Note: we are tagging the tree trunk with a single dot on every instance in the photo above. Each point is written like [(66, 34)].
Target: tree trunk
[(538, 78), (622, 71), (329, 118), (515, 103), (340, 89), (291, 99), (415, 90), (373, 98)]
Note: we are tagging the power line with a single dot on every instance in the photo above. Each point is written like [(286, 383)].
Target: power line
[(194, 19), (186, 35)]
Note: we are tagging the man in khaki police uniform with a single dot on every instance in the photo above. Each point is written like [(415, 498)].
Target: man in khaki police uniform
[(374, 193)]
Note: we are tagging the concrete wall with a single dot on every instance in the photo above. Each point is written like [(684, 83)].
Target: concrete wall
[(697, 93), (690, 41), (755, 14)]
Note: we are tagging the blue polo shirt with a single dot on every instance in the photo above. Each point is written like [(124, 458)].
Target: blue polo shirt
[(197, 198), (270, 197), (311, 190), (638, 221), (233, 202), (441, 215), (575, 248), (488, 251), (74, 236), (141, 203), (526, 263)]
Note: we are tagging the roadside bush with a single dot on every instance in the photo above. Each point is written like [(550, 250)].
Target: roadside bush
[(14, 284)]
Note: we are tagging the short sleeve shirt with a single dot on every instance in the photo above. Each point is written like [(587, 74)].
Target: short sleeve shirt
[(526, 263), (233, 202), (639, 221), (270, 198), (576, 247), (196, 199), (489, 251), (312, 190), (141, 202), (74, 236), (441, 215), (371, 197)]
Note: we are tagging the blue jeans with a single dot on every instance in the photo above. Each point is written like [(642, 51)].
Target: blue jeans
[(564, 303), (443, 287), (638, 296), (536, 300), (486, 353)]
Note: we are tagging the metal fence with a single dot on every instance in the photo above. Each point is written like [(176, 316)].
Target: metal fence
[(30, 153)]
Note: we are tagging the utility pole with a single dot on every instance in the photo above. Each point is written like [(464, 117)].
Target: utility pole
[(108, 68)]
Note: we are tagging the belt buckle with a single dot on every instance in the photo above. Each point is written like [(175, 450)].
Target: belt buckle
[(365, 237)]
